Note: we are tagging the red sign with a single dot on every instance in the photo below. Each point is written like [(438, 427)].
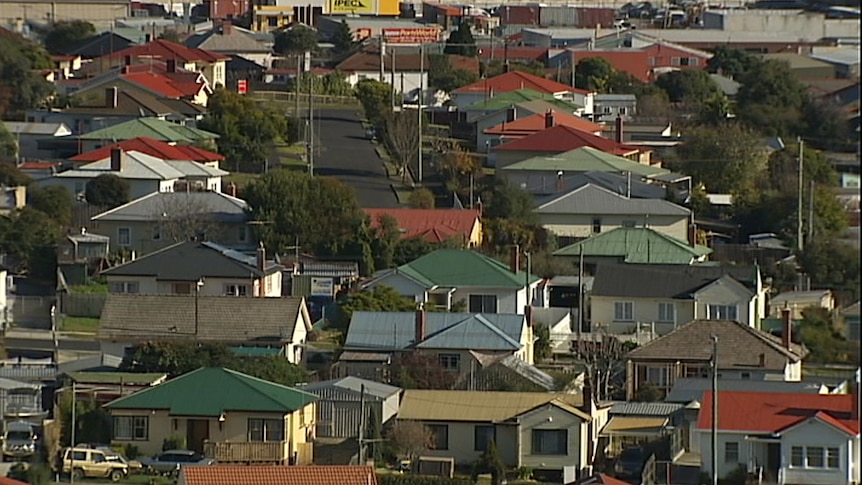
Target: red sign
[(361, 34), (242, 86), (411, 36)]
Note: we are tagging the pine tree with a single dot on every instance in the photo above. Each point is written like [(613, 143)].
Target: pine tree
[(461, 41), (343, 39)]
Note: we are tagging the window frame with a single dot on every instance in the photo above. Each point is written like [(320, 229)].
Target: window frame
[(714, 312), (797, 457), (731, 452), (620, 316), (535, 438), (815, 452), (449, 362), (236, 289), (596, 225), (485, 303), (134, 424), (436, 430), (124, 287), (662, 316), (128, 236), (266, 427), (833, 452), (482, 431)]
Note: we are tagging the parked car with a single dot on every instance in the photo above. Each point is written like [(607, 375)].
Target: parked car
[(19, 440), (90, 463), (172, 460), (113, 455), (631, 462)]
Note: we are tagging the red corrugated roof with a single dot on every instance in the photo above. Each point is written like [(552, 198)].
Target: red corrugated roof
[(154, 148), (163, 49), (163, 85), (772, 412), (537, 122), (515, 53), (38, 165), (279, 475), (433, 225), (11, 481), (515, 80), (559, 139), (641, 63)]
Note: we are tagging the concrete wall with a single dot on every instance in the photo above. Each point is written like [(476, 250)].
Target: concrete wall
[(809, 25), (211, 287)]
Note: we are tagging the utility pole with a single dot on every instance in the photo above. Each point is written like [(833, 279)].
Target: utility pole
[(72, 444), (810, 211), (527, 279), (419, 106), (799, 242), (714, 410), (382, 54), (393, 79), (581, 290), (296, 87), (311, 125), (471, 189), (360, 458)]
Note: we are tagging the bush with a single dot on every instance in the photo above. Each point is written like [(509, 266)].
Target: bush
[(174, 443), (35, 474), (420, 480)]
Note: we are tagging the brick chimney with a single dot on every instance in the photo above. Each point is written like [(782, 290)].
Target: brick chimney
[(515, 258), (261, 257), (127, 61), (111, 95), (420, 325), (619, 130), (511, 114), (762, 360), (231, 189), (171, 65), (549, 119), (692, 234), (786, 337), (116, 159)]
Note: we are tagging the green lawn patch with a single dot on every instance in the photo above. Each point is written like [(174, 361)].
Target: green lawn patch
[(240, 179), (92, 288), (80, 324)]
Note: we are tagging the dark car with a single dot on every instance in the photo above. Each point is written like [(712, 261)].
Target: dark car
[(631, 462), (170, 461)]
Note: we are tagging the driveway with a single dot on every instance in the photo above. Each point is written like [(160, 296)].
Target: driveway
[(347, 155)]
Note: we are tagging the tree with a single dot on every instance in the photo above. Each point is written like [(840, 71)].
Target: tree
[(442, 76), (507, 201), (54, 201), (183, 216), (542, 344), (29, 238), (420, 370), (92, 423), (593, 74), (421, 198), (771, 99), (384, 241), (826, 125), (648, 392), (691, 86), (296, 40), (730, 61), (495, 67), (376, 99), (11, 176), (401, 132), (343, 39), (246, 130), (379, 299), (461, 41), (21, 85), (8, 146), (489, 462), (171, 35), (407, 250), (832, 264), (604, 363), (410, 439), (65, 33), (108, 190)]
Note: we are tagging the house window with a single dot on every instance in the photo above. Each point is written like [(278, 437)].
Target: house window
[(124, 236), (439, 436), (243, 234), (731, 452), (260, 429), (833, 460), (693, 61), (272, 21), (666, 312), (721, 312), (482, 436), (182, 288), (797, 456), (236, 290), (131, 428), (123, 287), (745, 375), (597, 225), (483, 303), (813, 457), (450, 362), (629, 223), (550, 441), (675, 61), (695, 372), (624, 311), (157, 232), (660, 376)]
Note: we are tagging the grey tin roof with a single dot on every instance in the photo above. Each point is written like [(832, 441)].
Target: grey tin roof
[(592, 199), (687, 390), (216, 205), (352, 387), (645, 408)]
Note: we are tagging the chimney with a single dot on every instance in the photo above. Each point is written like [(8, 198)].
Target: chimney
[(619, 129), (148, 38), (549, 119), (116, 159), (528, 314), (786, 337), (111, 97), (171, 65), (692, 234), (231, 188), (420, 325), (127, 61), (762, 361), (261, 257), (226, 27), (511, 114), (515, 258)]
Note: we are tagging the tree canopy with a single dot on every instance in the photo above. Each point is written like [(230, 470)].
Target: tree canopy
[(376, 99), (8, 145), (597, 74), (108, 190), (730, 61), (65, 33), (461, 41), (379, 299), (442, 76), (343, 39), (21, 85), (54, 201), (296, 40), (692, 86), (29, 237), (771, 99)]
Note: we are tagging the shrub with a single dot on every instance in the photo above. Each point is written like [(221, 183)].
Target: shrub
[(174, 443), (420, 480)]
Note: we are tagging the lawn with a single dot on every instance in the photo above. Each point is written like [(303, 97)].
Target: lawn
[(80, 324), (240, 179), (292, 156)]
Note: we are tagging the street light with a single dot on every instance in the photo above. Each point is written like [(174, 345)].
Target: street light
[(198, 285)]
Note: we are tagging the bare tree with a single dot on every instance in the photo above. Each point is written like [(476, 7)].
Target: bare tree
[(402, 137), (182, 216), (603, 358), (410, 439)]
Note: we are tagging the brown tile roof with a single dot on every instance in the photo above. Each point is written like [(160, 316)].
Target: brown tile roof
[(515, 80), (433, 225), (562, 138), (132, 318), (739, 346), (370, 61), (278, 475)]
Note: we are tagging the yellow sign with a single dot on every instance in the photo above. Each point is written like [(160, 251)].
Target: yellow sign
[(352, 6)]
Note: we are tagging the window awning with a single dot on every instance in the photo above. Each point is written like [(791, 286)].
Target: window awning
[(634, 426)]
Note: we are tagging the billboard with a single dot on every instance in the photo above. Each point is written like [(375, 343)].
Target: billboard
[(321, 286), (242, 86), (421, 35), (353, 6)]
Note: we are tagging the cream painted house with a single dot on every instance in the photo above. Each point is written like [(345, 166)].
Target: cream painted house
[(544, 431), (799, 301), (223, 414)]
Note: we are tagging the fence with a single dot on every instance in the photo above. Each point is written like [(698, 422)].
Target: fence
[(30, 311), (82, 305), (291, 98)]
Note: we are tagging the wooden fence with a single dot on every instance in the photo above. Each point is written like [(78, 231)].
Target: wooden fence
[(317, 99), (273, 452), (82, 304)]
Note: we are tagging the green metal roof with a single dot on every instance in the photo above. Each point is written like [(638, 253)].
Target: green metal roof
[(255, 351), (585, 159), (118, 378), (461, 267), (636, 245), (155, 128), (211, 391), (504, 100)]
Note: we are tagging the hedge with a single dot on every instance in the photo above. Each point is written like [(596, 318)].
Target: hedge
[(393, 479)]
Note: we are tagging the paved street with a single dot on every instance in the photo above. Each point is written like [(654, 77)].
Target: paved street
[(42, 341), (346, 155)]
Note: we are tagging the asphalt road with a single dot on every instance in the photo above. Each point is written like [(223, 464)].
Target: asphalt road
[(24, 342), (347, 155)]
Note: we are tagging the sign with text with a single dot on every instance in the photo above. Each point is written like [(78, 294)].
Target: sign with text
[(411, 36), (352, 6), (242, 86), (321, 287), (361, 34)]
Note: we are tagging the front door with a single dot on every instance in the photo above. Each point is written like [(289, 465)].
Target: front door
[(197, 431), (773, 461)]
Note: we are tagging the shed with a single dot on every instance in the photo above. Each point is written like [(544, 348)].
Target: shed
[(339, 410)]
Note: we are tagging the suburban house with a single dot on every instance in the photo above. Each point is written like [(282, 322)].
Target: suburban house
[(744, 353), (799, 301), (274, 474), (515, 80), (547, 432), (851, 322), (447, 277), (97, 45), (405, 72), (633, 245), (608, 107), (591, 210), (210, 64), (788, 438), (521, 127), (12, 198), (227, 39), (341, 402), (161, 79), (21, 400), (450, 338), (223, 414), (155, 128), (146, 174), (161, 219), (637, 423), (499, 372), (508, 107), (645, 62), (564, 172), (690, 389), (463, 226), (253, 326), (27, 136), (197, 267), (78, 253), (154, 148), (560, 139), (626, 298), (106, 386)]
